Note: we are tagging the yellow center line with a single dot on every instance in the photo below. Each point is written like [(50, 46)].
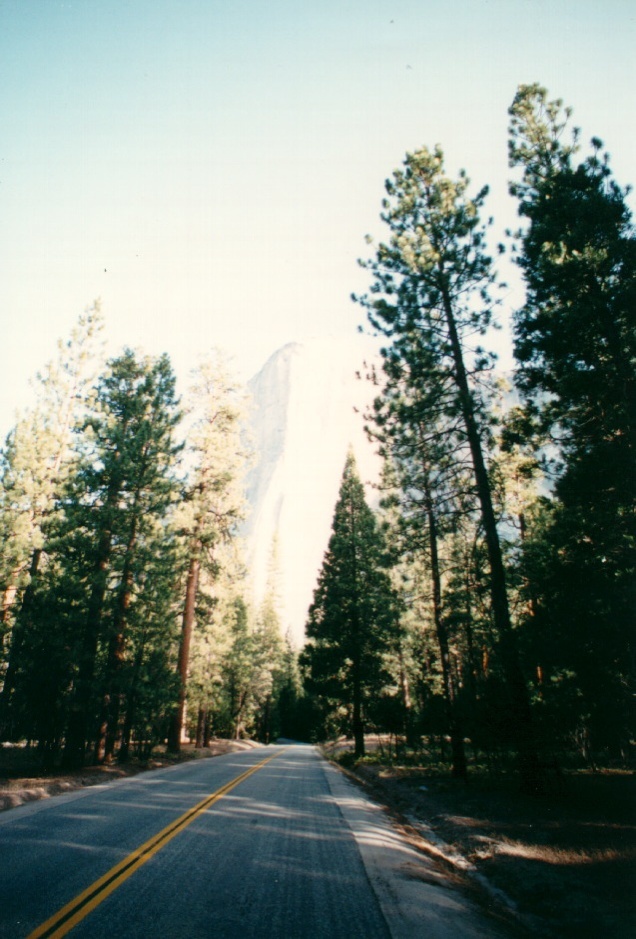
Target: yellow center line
[(74, 912)]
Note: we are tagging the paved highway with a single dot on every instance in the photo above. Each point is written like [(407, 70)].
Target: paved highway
[(265, 843)]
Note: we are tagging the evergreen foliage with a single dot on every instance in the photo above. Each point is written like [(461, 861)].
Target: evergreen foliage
[(352, 620), (431, 295), (488, 604), (213, 503), (575, 344)]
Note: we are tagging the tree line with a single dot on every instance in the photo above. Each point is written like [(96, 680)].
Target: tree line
[(484, 608), (507, 571), (124, 612)]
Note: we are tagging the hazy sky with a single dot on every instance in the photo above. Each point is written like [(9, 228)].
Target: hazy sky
[(209, 169)]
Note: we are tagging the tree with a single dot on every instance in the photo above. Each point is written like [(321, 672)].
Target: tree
[(34, 463), (270, 651), (575, 344), (431, 295), (429, 488), (352, 620), (213, 500), (124, 484), (575, 336)]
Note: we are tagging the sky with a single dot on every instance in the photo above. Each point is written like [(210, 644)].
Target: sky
[(209, 169)]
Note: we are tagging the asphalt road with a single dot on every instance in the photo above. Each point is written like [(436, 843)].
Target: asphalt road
[(210, 849)]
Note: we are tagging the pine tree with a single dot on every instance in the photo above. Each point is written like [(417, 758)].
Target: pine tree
[(575, 344), (239, 672), (270, 648), (125, 483), (431, 295), (34, 464), (430, 488), (213, 503), (352, 620)]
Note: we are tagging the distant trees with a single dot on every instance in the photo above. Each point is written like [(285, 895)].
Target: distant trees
[(352, 620)]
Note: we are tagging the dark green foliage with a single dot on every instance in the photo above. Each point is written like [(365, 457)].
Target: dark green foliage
[(124, 487), (82, 641), (431, 295), (353, 618), (575, 342)]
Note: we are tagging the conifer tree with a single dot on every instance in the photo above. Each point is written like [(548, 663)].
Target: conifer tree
[(239, 671), (575, 344), (34, 464), (124, 484), (431, 295), (213, 503), (352, 621)]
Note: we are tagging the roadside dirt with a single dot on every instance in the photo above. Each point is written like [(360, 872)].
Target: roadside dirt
[(20, 782), (562, 864)]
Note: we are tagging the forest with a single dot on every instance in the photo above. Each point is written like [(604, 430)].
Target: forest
[(483, 613)]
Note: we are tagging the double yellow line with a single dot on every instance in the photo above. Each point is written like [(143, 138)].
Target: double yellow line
[(74, 912)]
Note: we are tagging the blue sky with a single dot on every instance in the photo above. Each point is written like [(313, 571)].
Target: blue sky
[(210, 169)]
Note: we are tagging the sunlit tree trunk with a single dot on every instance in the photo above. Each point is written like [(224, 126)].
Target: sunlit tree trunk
[(187, 623)]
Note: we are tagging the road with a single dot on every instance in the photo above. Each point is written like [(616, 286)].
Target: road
[(266, 843)]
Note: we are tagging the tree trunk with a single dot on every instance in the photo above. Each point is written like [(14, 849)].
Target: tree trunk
[(405, 691), (78, 722), (357, 722), (200, 728), (518, 692), (111, 706), (207, 729), (192, 584), (131, 709), (459, 770), (17, 641)]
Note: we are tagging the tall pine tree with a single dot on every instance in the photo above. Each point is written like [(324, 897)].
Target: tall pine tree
[(431, 296), (352, 620), (124, 484), (575, 344), (213, 501)]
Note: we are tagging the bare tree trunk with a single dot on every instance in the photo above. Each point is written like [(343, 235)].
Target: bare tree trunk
[(405, 691), (201, 719), (111, 706), (357, 722)]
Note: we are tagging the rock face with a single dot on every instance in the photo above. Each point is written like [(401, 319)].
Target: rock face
[(307, 410)]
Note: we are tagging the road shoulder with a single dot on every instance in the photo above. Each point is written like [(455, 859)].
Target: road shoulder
[(417, 897)]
